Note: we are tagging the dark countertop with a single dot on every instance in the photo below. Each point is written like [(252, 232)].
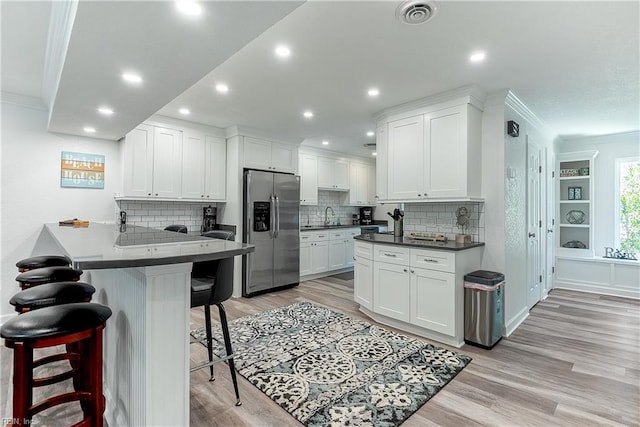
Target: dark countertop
[(329, 227), (101, 246), (389, 239)]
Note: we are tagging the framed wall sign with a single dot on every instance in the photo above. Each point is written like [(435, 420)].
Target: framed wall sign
[(82, 170)]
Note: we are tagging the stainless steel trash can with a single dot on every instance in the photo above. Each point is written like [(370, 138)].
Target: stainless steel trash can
[(483, 308)]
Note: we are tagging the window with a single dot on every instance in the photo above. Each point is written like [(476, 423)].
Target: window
[(628, 204)]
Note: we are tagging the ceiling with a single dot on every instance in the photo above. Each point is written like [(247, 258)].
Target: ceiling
[(575, 64)]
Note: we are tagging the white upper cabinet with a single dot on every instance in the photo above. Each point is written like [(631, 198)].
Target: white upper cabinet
[(267, 155), (382, 167), (431, 155), (193, 165), (137, 162), (406, 158), (308, 169), (361, 184), (167, 165), (333, 174), (215, 168)]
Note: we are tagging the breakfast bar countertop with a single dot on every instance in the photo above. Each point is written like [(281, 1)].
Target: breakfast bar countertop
[(389, 239), (101, 246)]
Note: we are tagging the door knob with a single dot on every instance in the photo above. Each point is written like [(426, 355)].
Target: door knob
[(550, 230), (532, 234)]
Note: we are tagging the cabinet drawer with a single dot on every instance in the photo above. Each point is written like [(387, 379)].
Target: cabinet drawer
[(352, 232), (363, 250), (320, 236), (306, 237), (433, 260), (391, 254), (336, 234)]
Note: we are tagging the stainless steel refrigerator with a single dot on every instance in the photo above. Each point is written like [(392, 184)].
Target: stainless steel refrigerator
[(272, 224)]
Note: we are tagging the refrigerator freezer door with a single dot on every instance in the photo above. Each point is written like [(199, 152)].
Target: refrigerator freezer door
[(258, 230), (287, 242)]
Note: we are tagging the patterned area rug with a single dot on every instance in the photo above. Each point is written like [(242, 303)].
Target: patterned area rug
[(326, 368)]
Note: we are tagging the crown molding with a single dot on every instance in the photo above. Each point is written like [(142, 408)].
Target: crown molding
[(22, 101), (516, 104), (240, 130), (470, 94)]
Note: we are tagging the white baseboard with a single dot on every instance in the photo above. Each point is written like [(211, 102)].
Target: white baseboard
[(595, 289), (515, 321)]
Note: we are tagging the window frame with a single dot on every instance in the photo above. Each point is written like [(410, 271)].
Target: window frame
[(616, 196)]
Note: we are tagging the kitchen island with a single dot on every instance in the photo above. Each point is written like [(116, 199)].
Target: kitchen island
[(415, 285), (144, 276)]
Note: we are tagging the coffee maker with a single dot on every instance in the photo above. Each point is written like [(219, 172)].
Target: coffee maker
[(366, 216), (209, 214)]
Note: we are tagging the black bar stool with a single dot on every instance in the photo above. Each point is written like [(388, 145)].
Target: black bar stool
[(78, 324), (44, 275), (50, 294), (42, 261), (212, 284)]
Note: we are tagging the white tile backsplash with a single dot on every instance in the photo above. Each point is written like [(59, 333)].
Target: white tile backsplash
[(441, 218), (156, 214), (335, 199)]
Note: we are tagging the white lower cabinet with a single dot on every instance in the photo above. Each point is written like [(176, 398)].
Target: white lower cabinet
[(432, 295), (326, 251), (420, 290), (362, 282), (391, 290)]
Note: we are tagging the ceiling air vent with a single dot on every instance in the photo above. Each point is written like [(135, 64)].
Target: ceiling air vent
[(415, 12)]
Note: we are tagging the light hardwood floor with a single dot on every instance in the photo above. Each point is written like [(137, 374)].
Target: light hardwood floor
[(575, 361)]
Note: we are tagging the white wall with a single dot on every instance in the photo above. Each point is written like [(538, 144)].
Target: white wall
[(610, 147), (31, 193)]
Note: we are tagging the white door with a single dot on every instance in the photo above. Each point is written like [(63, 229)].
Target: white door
[(406, 165), (341, 174), (391, 290), (325, 173), (371, 184), (283, 158), (550, 222), (337, 252), (433, 302), (257, 153), (138, 162), (193, 159), (167, 162), (215, 172), (381, 170), (349, 251), (534, 225), (308, 179), (319, 257), (305, 258), (363, 283)]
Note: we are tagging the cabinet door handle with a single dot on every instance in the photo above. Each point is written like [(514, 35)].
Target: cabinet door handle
[(430, 260), (148, 194), (391, 255), (156, 194), (412, 271), (532, 234), (404, 269)]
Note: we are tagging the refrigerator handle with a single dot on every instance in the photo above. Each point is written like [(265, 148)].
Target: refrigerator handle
[(272, 216), (277, 216)]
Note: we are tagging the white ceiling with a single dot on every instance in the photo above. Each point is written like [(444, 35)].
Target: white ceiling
[(575, 64)]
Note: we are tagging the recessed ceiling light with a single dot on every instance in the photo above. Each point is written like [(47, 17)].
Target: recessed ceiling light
[(131, 78), (283, 51), (184, 111), (373, 92), (477, 57), (308, 114), (89, 129), (190, 8), (222, 88), (371, 133), (106, 111), (374, 153), (325, 142)]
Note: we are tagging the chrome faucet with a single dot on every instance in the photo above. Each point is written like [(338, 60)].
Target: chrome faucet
[(326, 221)]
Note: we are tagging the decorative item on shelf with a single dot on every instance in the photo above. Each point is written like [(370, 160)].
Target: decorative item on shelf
[(462, 221), (584, 171), (569, 172), (433, 237), (572, 193), (575, 244), (513, 128), (575, 217), (578, 192), (618, 254)]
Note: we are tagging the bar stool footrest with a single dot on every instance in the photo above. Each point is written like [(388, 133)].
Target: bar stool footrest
[(59, 400)]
